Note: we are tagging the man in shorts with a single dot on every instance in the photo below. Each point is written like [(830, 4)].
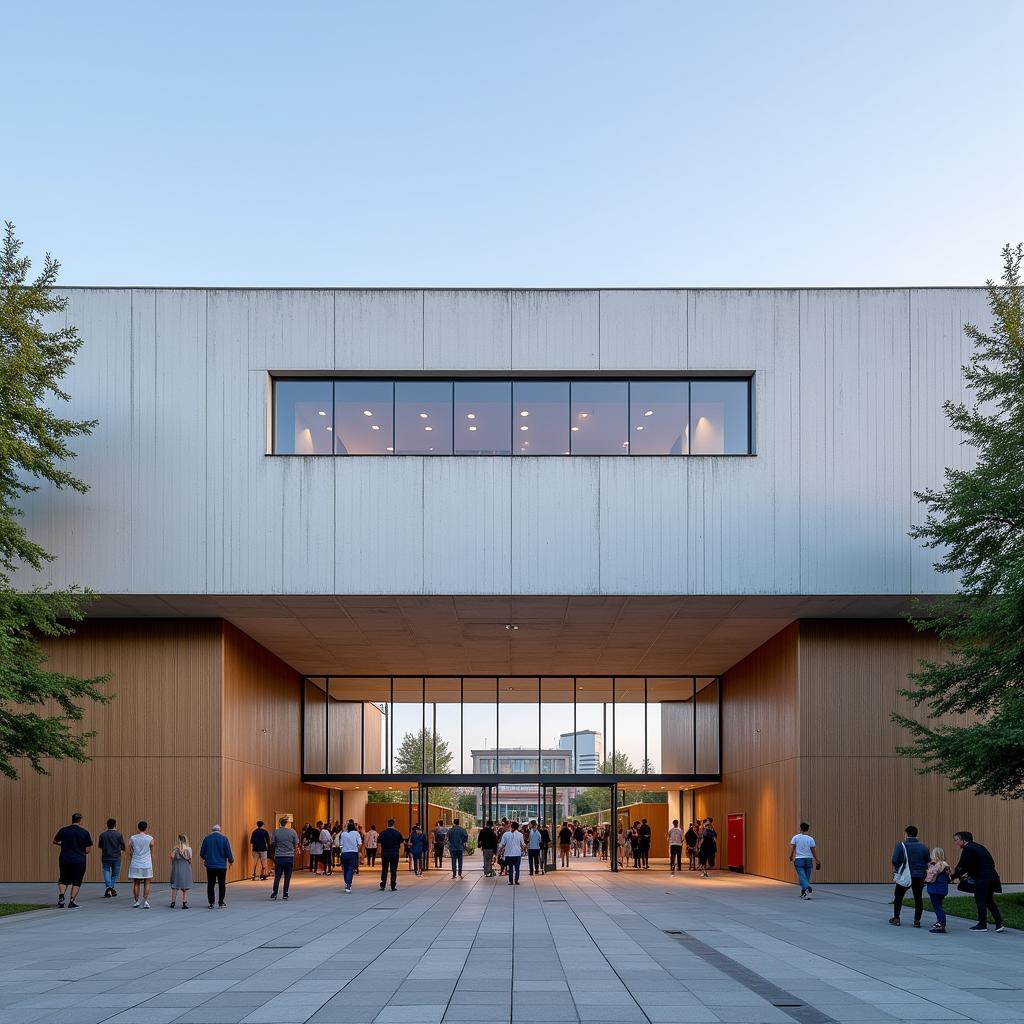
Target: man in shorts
[(75, 843), (260, 843)]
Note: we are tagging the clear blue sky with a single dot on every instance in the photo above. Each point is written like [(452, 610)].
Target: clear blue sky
[(523, 143)]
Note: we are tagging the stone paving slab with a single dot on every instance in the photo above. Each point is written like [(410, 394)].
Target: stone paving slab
[(574, 946)]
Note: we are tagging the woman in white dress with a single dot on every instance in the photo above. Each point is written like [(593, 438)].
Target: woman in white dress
[(140, 846)]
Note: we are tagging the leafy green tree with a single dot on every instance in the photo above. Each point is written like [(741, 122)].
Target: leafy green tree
[(467, 803), (973, 732), (39, 709), (618, 764)]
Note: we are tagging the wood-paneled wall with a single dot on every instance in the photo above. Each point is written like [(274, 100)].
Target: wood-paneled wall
[(156, 754), (857, 792), (760, 754), (262, 721)]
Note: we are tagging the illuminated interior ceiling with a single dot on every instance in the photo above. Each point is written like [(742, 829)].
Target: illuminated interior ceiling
[(481, 635)]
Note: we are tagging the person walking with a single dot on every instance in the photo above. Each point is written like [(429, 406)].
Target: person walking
[(645, 844), (675, 847), (976, 871), (350, 841), (370, 844), (564, 844), (216, 856), (910, 866), (259, 842), (140, 871), (457, 839), (284, 842), (533, 848), (390, 845), (620, 845), (802, 854), (545, 846), (75, 843), (708, 849), (327, 843), (512, 846), (111, 844), (692, 838), (181, 871), (418, 844), (440, 834), (936, 883), (315, 845), (487, 840)]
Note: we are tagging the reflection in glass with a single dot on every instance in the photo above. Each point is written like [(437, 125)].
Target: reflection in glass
[(483, 417), (423, 417), (557, 722), (719, 411), (518, 724), (659, 413), (363, 417), (303, 414), (540, 415), (444, 725), (599, 417), (407, 726), (629, 726), (593, 720), (707, 727), (315, 727), (480, 721)]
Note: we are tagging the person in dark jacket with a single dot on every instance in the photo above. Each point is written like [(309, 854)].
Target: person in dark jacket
[(910, 850), (976, 864), (217, 857), (418, 848), (487, 840), (389, 842)]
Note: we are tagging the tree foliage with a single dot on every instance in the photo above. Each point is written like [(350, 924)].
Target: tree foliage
[(419, 754), (38, 708), (976, 522)]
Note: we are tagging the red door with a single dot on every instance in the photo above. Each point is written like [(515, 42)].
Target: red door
[(736, 842)]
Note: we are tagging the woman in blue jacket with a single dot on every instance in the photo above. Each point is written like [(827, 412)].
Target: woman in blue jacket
[(418, 848)]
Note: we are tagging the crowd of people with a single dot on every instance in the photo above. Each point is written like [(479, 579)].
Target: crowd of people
[(329, 847)]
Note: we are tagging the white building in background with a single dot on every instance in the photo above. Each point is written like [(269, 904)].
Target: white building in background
[(589, 746)]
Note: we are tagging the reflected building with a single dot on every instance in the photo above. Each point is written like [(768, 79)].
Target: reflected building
[(588, 746), (520, 801)]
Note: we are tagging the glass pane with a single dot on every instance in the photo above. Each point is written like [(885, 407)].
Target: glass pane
[(480, 725), (541, 417), (658, 417), (593, 720), (407, 735), (707, 727), (423, 417), (600, 417), (629, 726), (556, 726), (345, 721), (675, 698), (719, 417), (444, 722), (483, 417), (518, 725), (315, 727), (302, 417), (363, 417)]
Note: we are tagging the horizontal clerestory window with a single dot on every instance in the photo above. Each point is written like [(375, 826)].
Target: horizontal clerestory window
[(552, 416)]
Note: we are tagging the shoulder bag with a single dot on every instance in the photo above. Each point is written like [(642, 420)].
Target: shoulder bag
[(901, 876)]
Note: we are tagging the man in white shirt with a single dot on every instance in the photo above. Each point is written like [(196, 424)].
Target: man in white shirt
[(511, 846), (350, 841), (675, 847), (803, 852), (326, 842)]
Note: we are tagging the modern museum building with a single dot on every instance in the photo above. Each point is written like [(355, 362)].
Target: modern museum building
[(482, 549)]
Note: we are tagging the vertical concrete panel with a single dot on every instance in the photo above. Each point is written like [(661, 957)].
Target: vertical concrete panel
[(378, 329), (643, 525), (304, 518), (555, 330), (467, 330), (730, 329), (556, 526), (379, 525), (938, 350), (467, 526), (643, 330), (291, 330)]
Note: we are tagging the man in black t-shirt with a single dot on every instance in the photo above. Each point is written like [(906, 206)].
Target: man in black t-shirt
[(645, 843), (260, 843), (389, 842), (74, 843)]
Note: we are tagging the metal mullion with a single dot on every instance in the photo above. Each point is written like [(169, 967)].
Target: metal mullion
[(391, 731), (693, 709), (646, 770), (423, 724)]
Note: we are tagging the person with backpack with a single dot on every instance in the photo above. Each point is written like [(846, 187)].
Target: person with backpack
[(936, 883), (910, 866)]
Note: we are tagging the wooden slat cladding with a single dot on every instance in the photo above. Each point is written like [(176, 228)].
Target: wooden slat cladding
[(156, 755), (760, 754), (857, 791)]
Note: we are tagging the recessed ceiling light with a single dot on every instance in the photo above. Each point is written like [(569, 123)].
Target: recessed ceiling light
[(328, 426), (639, 428), (320, 412), (470, 415), (625, 444), (390, 449), (428, 428), (423, 415), (374, 426), (650, 412), (524, 427), (525, 412), (584, 415), (512, 627), (576, 428), (431, 449), (367, 412), (472, 428)]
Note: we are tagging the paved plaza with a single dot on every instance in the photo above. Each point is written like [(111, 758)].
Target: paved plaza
[(575, 946)]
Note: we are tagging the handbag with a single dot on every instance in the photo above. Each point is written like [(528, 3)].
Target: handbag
[(966, 884), (901, 876)]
